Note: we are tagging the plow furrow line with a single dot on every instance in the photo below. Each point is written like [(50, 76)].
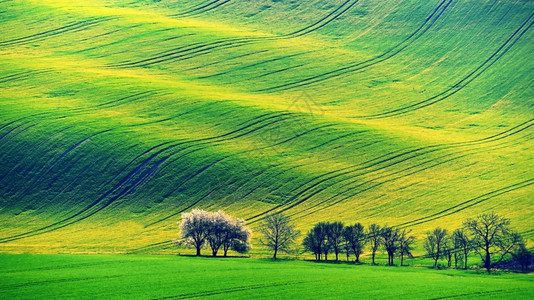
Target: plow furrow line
[(501, 51), (396, 159), (197, 49), (77, 26), (428, 23), (137, 177)]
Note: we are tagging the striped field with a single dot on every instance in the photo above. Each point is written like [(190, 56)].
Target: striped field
[(117, 116)]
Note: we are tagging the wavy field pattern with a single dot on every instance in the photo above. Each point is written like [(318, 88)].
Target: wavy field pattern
[(117, 116)]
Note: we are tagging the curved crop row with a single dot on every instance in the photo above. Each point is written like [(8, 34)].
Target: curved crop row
[(383, 163), (353, 67)]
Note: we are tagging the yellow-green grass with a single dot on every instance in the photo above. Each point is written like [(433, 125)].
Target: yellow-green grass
[(115, 117)]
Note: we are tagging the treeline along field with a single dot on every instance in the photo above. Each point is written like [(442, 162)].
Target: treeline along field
[(116, 117)]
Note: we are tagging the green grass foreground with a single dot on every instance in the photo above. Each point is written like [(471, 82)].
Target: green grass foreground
[(171, 277)]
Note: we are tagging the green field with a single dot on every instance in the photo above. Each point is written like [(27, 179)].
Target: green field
[(170, 277), (117, 116)]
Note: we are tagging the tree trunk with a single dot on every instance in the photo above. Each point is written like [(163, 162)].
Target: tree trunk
[(455, 260), (465, 259), (435, 262), (373, 257), (198, 250), (358, 258), (226, 247), (437, 256), (275, 251), (214, 252), (402, 259), (336, 256), (487, 263)]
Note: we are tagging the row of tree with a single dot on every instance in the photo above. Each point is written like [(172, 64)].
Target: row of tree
[(335, 237), (199, 228), (488, 235)]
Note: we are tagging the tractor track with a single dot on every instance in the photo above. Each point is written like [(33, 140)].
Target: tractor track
[(457, 87), (73, 27), (353, 67), (133, 180), (385, 161), (196, 49)]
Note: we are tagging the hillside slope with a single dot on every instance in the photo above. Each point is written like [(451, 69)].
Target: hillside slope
[(117, 116)]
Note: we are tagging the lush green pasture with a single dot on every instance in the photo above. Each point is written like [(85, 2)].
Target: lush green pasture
[(116, 116), (178, 277)]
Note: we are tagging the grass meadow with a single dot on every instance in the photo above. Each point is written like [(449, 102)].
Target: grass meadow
[(29, 276)]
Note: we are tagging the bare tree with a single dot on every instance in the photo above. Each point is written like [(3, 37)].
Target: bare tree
[(390, 238), (405, 244), (462, 247), (492, 238), (278, 233), (375, 238), (355, 240), (448, 251), (195, 228), (346, 244), (434, 243), (334, 235)]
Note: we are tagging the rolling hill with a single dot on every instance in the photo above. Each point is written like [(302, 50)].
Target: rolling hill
[(117, 116)]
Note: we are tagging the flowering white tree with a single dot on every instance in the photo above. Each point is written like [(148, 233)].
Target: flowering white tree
[(238, 237), (215, 229), (195, 228), (221, 228)]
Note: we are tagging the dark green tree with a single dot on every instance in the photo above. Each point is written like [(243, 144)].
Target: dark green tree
[(355, 240), (406, 241), (334, 236), (523, 256), (391, 242)]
